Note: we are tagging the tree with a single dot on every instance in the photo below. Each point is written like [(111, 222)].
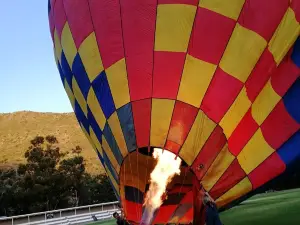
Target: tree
[(43, 185), (96, 189), (49, 181), (74, 170)]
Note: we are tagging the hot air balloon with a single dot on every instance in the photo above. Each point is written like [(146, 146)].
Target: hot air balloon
[(216, 82)]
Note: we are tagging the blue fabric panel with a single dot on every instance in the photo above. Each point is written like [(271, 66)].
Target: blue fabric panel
[(296, 53), (290, 150), (81, 76), (95, 125), (61, 73), (103, 94), (133, 194), (110, 167), (81, 117), (100, 158), (66, 69), (292, 100), (126, 121), (104, 163), (112, 143), (174, 198), (49, 6)]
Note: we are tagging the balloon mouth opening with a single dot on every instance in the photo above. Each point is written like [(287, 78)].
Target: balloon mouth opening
[(136, 183)]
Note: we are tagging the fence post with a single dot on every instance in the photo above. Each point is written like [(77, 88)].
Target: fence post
[(102, 207), (12, 221), (89, 209), (75, 212), (28, 219), (60, 214)]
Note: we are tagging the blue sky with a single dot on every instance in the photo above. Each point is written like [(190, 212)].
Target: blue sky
[(29, 79)]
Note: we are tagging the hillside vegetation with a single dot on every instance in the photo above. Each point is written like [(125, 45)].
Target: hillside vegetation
[(17, 129)]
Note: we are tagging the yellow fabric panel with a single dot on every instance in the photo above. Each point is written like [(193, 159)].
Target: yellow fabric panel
[(110, 155), (56, 59), (95, 141), (116, 129), (69, 93), (195, 80), (228, 8), (68, 44), (242, 188), (57, 46), (161, 116), (122, 193), (285, 35), (174, 219), (264, 103), (235, 113), (255, 152), (173, 27), (199, 133), (242, 52), (79, 96), (96, 109), (218, 167), (118, 83), (90, 56), (112, 179)]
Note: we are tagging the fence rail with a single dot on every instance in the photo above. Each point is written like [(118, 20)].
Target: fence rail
[(34, 218)]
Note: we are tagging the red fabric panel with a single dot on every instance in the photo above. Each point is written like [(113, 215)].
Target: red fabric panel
[(209, 39), (79, 18), (108, 33), (180, 189), (263, 17), (197, 200), (164, 214), (209, 152), (132, 211), (231, 177), (295, 5), (284, 76), (172, 146), (188, 198), (168, 68), (138, 23), (269, 169), (59, 16), (279, 126), (187, 2), (260, 75), (242, 133), (220, 95), (141, 116), (181, 123)]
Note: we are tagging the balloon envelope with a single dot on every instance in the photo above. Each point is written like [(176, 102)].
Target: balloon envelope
[(215, 82)]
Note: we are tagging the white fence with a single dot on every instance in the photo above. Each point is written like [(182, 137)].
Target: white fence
[(76, 215)]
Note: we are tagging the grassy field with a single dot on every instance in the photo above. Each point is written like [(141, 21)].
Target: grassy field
[(277, 208), (281, 208)]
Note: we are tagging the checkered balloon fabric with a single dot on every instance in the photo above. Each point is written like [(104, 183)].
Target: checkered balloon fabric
[(216, 82)]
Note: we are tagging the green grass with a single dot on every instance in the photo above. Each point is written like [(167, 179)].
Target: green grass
[(277, 208)]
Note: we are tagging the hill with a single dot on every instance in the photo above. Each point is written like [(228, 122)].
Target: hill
[(17, 129)]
